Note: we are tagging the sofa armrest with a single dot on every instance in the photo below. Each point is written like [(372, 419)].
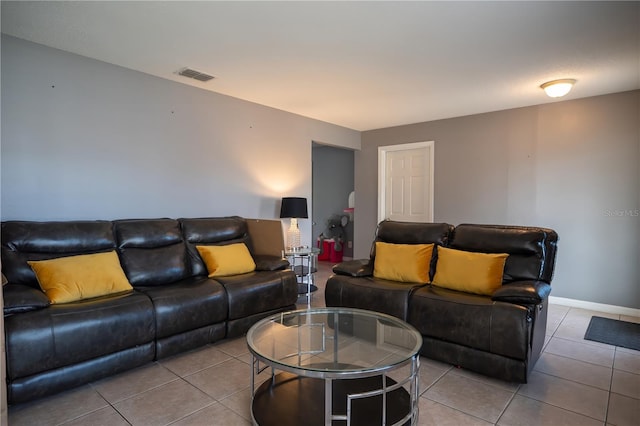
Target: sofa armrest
[(355, 268), (522, 292), (21, 298), (265, 262)]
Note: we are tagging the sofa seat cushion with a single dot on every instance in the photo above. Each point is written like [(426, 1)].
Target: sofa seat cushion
[(257, 292), (471, 320), (187, 304), (67, 334), (374, 294)]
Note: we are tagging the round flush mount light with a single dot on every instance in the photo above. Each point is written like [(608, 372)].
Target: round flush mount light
[(558, 88)]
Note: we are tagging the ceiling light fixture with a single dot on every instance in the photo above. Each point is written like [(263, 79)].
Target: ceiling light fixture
[(558, 88)]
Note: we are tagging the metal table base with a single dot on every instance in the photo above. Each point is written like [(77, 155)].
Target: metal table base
[(287, 399)]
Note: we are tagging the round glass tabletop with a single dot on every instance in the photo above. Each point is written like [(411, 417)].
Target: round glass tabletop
[(330, 342)]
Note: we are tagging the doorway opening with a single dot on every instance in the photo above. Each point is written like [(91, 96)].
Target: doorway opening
[(332, 199)]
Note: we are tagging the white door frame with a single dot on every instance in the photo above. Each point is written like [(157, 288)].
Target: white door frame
[(382, 172)]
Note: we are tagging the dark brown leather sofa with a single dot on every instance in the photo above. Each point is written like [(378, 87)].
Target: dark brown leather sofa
[(174, 306), (500, 335)]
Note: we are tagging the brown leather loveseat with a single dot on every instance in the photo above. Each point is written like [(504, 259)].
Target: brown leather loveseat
[(499, 334)]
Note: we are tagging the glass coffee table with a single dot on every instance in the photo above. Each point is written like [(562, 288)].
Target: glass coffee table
[(334, 366)]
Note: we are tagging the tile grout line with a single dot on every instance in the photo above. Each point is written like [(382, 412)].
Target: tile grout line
[(606, 411), (215, 401), (180, 375), (435, 381), (552, 335), (177, 377), (458, 410), (586, 362), (567, 409), (452, 370), (564, 317), (109, 404), (66, 421), (507, 406), (229, 408), (121, 414), (579, 383)]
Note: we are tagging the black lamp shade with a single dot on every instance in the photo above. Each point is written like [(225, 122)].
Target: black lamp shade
[(294, 207)]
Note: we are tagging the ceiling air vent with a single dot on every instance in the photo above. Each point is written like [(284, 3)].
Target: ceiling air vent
[(191, 73)]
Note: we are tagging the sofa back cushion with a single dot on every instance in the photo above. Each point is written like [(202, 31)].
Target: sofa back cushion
[(212, 231), (228, 259), (152, 251), (413, 233), (531, 250), (479, 273), (23, 241), (85, 276), (403, 262)]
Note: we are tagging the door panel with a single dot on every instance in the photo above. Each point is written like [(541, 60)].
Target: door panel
[(405, 183)]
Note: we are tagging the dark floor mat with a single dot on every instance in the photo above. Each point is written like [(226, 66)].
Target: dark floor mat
[(614, 332)]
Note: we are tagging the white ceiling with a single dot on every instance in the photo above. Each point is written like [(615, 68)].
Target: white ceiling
[(362, 65)]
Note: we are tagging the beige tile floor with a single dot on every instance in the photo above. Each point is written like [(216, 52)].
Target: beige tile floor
[(575, 382)]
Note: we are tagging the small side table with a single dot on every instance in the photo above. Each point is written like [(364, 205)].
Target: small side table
[(304, 263)]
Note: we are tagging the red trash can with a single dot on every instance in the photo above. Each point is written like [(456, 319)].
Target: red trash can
[(329, 252), (335, 255), (326, 248)]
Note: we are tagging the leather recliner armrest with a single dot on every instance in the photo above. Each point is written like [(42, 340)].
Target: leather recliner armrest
[(21, 298), (355, 268), (522, 292), (270, 263)]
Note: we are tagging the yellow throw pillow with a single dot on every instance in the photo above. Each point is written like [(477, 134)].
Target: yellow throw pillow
[(479, 273), (402, 262), (73, 278), (232, 259)]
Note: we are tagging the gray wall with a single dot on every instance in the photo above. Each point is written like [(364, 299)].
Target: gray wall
[(332, 184), (573, 166), (83, 139)]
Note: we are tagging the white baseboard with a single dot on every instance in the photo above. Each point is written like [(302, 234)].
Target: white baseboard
[(592, 306)]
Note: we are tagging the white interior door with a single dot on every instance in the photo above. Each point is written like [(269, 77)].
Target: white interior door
[(405, 182)]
